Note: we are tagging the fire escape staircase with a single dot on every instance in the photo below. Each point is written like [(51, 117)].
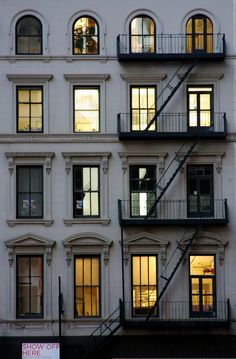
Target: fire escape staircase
[(179, 158), (175, 265), (171, 88), (101, 335)]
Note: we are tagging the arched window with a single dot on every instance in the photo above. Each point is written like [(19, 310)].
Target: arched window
[(142, 34), (199, 34), (29, 36), (85, 36)]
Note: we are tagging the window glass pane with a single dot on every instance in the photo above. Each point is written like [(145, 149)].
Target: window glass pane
[(79, 300), (193, 118), (23, 110), (144, 270), (95, 301), (152, 270), (202, 265), (36, 205), (36, 96), (23, 95), (23, 304), (85, 36), (94, 179), (148, 26), (87, 271), (36, 266), (87, 301), (192, 101), (95, 271), (23, 266), (86, 109), (78, 271), (151, 98), (136, 26), (205, 118), (23, 177), (86, 179), (36, 179), (143, 97), (205, 101), (136, 270)]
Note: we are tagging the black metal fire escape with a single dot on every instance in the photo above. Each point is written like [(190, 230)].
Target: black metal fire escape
[(172, 263)]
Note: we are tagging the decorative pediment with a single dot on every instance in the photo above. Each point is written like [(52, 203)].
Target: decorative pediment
[(145, 240), (90, 242), (29, 242), (208, 239)]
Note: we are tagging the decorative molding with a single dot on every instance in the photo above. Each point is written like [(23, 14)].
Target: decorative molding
[(30, 242), (76, 157), (207, 239), (26, 78), (141, 78), (11, 156), (128, 158), (143, 240), (45, 222), (90, 241), (203, 76), (68, 222), (86, 77)]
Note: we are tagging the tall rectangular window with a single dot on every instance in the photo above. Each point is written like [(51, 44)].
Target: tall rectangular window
[(86, 109), (87, 286), (29, 292), (143, 107), (202, 285), (142, 189), (29, 191), (144, 284), (200, 107), (86, 195), (29, 109)]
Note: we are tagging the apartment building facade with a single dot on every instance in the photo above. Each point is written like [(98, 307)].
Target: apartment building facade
[(117, 150)]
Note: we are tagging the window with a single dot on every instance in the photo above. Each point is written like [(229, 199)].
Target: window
[(200, 107), (142, 34), (85, 36), (143, 107), (28, 36), (199, 34), (86, 191), (29, 191), (29, 109), (29, 291), (200, 191), (144, 284), (86, 109), (87, 286), (142, 189), (202, 285)]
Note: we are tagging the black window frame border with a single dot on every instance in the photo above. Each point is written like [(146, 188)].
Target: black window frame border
[(41, 315), (17, 201), (16, 36), (154, 35), (90, 256), (19, 87), (98, 36)]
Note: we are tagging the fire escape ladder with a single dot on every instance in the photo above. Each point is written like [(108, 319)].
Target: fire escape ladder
[(175, 265), (101, 335), (180, 159), (172, 86)]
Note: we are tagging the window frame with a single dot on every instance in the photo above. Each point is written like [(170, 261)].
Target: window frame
[(212, 95), (29, 36), (18, 88), (78, 87), (201, 313), (97, 36), (90, 256), (153, 166), (130, 34), (30, 316), (98, 191), (30, 192), (146, 309), (205, 35), (133, 86)]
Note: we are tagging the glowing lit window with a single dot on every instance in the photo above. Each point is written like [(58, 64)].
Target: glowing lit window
[(29, 286), (200, 106), (142, 189), (87, 286), (86, 191), (85, 36), (199, 34), (142, 35), (86, 109), (202, 285), (29, 109), (28, 36), (143, 107), (144, 284)]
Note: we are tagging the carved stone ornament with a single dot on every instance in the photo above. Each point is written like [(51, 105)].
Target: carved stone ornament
[(32, 244), (87, 243)]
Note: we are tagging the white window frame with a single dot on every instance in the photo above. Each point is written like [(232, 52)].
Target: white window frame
[(30, 159), (30, 81), (100, 159)]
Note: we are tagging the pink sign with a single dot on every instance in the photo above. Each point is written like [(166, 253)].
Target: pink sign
[(40, 351)]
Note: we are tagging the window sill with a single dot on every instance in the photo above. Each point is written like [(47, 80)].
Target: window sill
[(45, 222), (69, 222)]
